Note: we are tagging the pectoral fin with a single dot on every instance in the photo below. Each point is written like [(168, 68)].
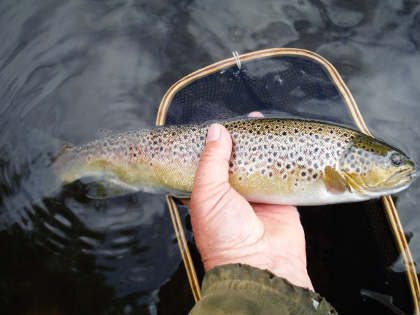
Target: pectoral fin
[(334, 182)]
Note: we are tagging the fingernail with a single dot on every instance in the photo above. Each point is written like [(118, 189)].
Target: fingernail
[(213, 133)]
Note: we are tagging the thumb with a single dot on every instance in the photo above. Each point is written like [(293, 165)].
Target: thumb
[(212, 175), (212, 194), (220, 217)]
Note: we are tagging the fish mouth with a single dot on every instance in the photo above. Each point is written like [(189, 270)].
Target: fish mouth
[(402, 177), (395, 183)]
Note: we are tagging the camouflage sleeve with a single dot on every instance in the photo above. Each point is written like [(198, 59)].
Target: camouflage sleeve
[(241, 289)]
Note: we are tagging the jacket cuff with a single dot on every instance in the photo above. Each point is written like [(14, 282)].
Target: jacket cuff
[(263, 287)]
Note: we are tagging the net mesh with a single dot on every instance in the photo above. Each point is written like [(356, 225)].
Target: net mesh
[(286, 85)]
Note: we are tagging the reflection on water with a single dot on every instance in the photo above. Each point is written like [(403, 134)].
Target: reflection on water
[(68, 69)]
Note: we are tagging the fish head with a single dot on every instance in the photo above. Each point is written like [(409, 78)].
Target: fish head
[(373, 168)]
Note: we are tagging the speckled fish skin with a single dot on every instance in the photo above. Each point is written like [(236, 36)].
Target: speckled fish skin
[(286, 161)]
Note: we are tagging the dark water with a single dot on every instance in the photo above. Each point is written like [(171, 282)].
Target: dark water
[(69, 69)]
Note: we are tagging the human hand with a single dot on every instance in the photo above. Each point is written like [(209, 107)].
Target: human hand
[(229, 229)]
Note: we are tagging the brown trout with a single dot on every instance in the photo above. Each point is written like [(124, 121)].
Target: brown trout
[(284, 161)]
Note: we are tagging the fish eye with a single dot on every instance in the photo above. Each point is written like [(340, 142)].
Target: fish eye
[(396, 159)]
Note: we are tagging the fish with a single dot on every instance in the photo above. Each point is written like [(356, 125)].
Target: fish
[(274, 160)]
